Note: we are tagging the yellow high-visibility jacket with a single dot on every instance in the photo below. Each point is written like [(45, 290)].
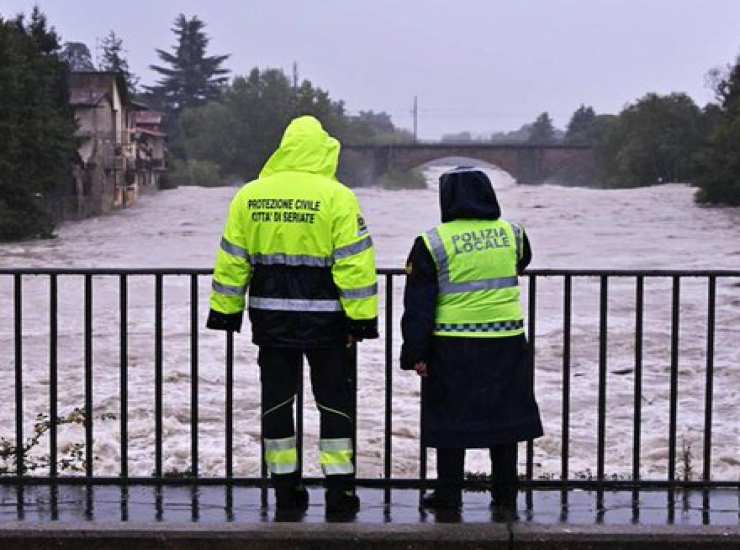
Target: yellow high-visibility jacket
[(296, 250)]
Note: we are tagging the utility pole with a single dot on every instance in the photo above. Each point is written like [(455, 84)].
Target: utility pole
[(415, 112), (295, 75)]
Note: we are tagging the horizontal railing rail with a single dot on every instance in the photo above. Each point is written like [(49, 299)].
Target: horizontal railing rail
[(600, 480)]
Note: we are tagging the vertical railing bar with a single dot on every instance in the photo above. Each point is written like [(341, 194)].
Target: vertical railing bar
[(158, 375), (229, 439), (422, 445), (353, 392), (194, 470), (388, 442), (567, 302), (18, 333), (673, 405), (531, 333), (89, 457), (263, 464), (123, 375), (603, 343), (601, 417), (709, 383), (299, 418), (637, 396), (53, 376)]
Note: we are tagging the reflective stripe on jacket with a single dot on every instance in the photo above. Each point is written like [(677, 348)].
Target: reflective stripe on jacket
[(476, 264)]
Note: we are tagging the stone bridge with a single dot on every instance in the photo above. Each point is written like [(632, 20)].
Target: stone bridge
[(528, 163)]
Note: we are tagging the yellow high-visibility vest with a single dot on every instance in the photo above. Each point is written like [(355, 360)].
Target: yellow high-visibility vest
[(477, 276)]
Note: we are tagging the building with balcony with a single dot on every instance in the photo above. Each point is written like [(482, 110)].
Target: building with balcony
[(122, 149)]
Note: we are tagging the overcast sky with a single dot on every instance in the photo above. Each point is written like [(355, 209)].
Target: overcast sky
[(478, 65)]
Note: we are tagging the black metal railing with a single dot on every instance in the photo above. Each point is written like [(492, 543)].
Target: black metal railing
[(599, 482)]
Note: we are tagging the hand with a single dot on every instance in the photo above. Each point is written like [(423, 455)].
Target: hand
[(350, 340), (421, 369)]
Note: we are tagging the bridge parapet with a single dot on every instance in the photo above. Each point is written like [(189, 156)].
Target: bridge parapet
[(527, 163)]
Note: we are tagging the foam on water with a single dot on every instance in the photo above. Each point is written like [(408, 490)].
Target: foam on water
[(656, 227)]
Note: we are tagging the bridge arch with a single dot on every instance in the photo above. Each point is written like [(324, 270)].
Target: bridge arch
[(434, 168), (527, 163)]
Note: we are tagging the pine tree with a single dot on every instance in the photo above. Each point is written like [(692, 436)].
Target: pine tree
[(542, 131), (581, 126), (114, 60), (191, 78)]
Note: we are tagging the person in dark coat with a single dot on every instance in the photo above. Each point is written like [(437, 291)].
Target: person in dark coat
[(463, 332)]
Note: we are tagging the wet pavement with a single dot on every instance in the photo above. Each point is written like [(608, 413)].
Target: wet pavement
[(218, 505)]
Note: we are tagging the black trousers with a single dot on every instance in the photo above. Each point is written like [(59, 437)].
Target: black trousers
[(451, 471), (280, 371)]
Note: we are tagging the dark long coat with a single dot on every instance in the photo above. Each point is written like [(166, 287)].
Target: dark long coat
[(479, 390)]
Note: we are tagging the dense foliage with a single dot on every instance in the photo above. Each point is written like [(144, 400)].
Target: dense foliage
[(542, 131), (238, 132), (77, 56), (719, 162), (36, 124), (653, 140)]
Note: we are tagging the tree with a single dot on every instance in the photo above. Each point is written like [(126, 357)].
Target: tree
[(190, 77), (114, 60), (37, 125), (719, 161), (653, 140), (581, 127), (240, 131), (77, 56), (542, 131)]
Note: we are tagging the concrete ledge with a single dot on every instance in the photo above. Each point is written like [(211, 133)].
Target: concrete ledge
[(528, 536), (273, 536)]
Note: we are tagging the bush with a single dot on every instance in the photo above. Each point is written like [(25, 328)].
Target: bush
[(202, 173), (23, 216), (403, 179)]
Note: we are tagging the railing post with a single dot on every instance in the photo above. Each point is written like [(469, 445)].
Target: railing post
[(709, 383), (388, 440), (158, 375), (601, 420), (532, 334), (19, 443), (53, 377), (89, 441), (194, 470), (565, 430), (229, 428), (637, 395)]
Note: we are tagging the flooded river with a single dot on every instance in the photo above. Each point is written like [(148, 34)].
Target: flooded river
[(657, 227)]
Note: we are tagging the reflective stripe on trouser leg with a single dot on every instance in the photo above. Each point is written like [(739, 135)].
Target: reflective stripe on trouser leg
[(336, 456), (281, 455)]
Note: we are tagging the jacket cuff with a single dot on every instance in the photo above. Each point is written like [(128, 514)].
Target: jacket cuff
[(410, 357), (363, 329), (224, 321)]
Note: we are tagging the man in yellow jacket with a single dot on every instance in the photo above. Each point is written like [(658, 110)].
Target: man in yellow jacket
[(296, 239)]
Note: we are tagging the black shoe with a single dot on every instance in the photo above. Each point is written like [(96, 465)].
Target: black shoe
[(293, 498), (341, 502), (442, 500)]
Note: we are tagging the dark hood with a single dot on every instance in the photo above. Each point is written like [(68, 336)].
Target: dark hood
[(467, 193)]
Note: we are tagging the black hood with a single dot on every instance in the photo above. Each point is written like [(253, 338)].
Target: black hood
[(467, 193)]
